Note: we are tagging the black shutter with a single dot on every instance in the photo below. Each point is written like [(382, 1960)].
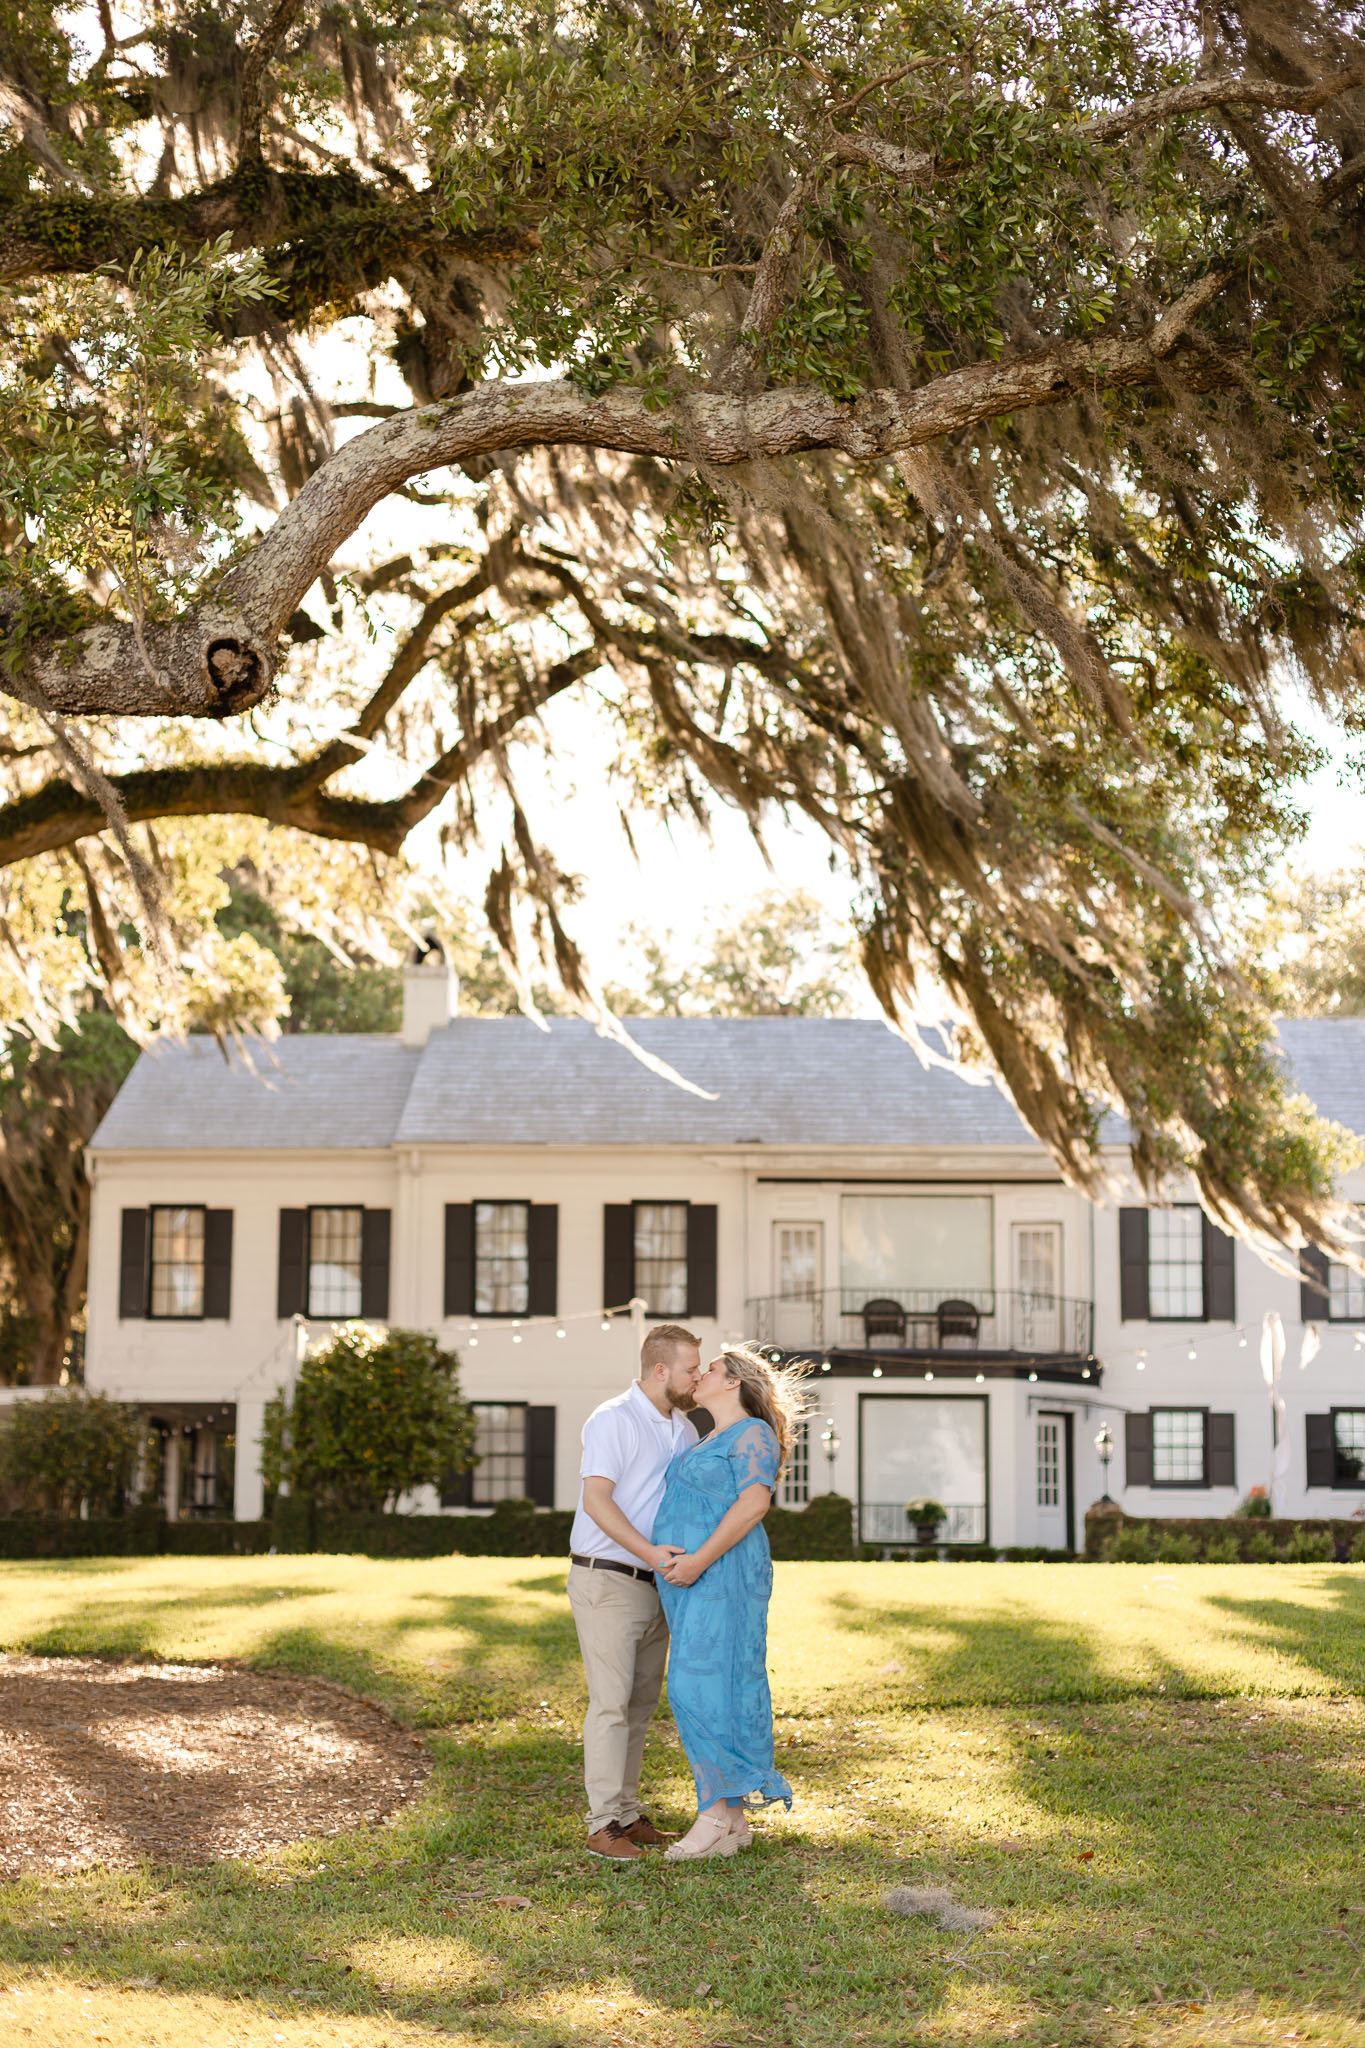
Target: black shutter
[(544, 1295), (218, 1263), (132, 1263), (701, 1259), (1220, 1290), (292, 1295), (1313, 1265), (374, 1265), (459, 1294), (1137, 1450), (540, 1456), (1134, 1305), (1220, 1445), (1322, 1450), (618, 1254)]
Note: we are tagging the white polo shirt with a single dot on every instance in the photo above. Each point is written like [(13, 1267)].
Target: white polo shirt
[(627, 1441)]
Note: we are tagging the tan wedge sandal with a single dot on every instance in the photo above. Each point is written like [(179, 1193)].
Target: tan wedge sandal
[(707, 1836)]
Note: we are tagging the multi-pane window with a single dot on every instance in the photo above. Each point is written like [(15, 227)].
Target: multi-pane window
[(1348, 1444), (177, 1262), (1049, 1463), (335, 1240), (1175, 1264), (1178, 1447), (500, 1446), (796, 1478), (502, 1258), (1345, 1294), (661, 1256)]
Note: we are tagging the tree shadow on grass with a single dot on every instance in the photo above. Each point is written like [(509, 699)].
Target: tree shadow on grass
[(1328, 1635)]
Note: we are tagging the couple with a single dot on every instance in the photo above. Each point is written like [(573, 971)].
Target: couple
[(668, 1540)]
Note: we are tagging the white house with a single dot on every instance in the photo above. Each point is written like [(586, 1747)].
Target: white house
[(973, 1321)]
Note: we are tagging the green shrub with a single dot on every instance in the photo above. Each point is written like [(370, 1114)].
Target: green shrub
[(373, 1414), (69, 1452), (1356, 1553), (1310, 1546), (1130, 1546), (1221, 1550), (1256, 1503), (821, 1529), (1262, 1548), (1175, 1547)]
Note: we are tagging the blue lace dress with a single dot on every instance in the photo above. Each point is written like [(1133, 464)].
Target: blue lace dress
[(717, 1662)]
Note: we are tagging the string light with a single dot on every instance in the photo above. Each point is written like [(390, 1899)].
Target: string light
[(1032, 1376), (1241, 1338), (516, 1339), (928, 1375), (1191, 1354), (824, 1365), (561, 1331), (981, 1379), (876, 1372)]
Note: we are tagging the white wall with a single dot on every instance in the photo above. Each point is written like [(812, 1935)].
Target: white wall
[(1225, 1376)]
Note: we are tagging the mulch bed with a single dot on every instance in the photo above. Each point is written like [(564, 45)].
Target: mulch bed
[(120, 1764)]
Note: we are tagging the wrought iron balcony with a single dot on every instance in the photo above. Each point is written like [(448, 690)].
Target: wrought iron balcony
[(985, 1321), (882, 1521)]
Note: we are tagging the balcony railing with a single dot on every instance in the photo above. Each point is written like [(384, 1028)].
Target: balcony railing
[(962, 1319), (882, 1521)]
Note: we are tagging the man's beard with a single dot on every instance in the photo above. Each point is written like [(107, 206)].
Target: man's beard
[(683, 1404)]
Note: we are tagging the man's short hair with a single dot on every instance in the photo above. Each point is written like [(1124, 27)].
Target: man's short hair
[(660, 1344)]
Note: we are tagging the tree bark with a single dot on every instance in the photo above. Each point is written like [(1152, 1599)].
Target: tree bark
[(219, 658)]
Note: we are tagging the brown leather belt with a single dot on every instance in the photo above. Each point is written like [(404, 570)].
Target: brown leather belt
[(609, 1564)]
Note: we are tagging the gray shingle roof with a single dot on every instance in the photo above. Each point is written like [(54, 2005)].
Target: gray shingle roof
[(346, 1090), (1327, 1060), (500, 1081), (777, 1081)]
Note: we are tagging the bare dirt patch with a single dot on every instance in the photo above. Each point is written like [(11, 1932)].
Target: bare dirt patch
[(184, 1763)]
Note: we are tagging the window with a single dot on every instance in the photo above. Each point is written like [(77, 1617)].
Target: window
[(1348, 1446), (917, 1445), (1049, 1462), (661, 1256), (796, 1479), (941, 1243), (335, 1243), (502, 1258), (1345, 1294), (500, 1445), (1175, 1264), (177, 1263), (1178, 1447)]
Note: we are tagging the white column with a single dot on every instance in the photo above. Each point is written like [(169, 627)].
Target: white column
[(248, 1494), (175, 1451)]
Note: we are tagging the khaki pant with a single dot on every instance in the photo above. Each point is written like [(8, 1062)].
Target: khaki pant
[(624, 1639)]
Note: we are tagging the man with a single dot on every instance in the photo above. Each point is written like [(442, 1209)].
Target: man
[(627, 1445)]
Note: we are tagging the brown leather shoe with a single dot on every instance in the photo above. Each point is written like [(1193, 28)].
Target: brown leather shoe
[(613, 1843), (643, 1831)]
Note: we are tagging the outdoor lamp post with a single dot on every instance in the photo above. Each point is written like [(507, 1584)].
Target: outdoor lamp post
[(829, 1437), (1104, 1444)]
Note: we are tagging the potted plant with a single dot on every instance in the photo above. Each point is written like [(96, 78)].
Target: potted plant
[(925, 1515)]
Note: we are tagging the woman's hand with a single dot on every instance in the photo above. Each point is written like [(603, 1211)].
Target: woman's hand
[(684, 1570)]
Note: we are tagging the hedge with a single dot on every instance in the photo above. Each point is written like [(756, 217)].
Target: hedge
[(514, 1528), (1238, 1539), (142, 1532)]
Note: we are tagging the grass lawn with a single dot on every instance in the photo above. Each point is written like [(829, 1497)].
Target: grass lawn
[(1154, 1775)]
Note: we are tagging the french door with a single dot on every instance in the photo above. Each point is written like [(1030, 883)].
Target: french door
[(1038, 1286), (798, 1266)]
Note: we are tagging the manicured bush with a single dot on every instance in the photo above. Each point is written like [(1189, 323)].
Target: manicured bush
[(1356, 1553), (1175, 1547), (821, 1529), (1310, 1546), (69, 1452), (1221, 1550), (1130, 1546), (373, 1415), (1261, 1548)]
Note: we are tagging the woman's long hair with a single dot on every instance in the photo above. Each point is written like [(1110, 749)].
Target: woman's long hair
[(770, 1392)]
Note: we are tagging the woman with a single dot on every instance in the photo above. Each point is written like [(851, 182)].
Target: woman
[(715, 1594)]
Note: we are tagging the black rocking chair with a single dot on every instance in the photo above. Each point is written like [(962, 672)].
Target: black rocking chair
[(882, 1318), (958, 1322)]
